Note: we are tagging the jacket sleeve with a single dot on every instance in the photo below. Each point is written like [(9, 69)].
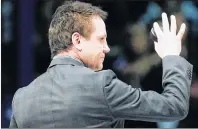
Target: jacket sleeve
[(13, 123), (126, 102)]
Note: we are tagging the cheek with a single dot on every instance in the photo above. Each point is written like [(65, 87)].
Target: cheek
[(96, 48), (96, 54), (89, 49), (93, 49)]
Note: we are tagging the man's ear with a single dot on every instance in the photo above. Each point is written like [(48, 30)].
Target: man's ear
[(76, 40)]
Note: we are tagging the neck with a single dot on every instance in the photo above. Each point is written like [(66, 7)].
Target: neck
[(69, 53)]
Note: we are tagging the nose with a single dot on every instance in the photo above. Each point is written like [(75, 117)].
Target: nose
[(106, 49)]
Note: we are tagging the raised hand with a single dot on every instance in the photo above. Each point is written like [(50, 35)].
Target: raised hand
[(169, 43)]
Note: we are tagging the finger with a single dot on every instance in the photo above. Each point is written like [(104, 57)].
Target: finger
[(165, 23), (156, 45), (181, 31), (157, 30), (173, 25)]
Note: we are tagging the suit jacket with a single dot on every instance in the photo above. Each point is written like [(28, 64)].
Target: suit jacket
[(71, 95)]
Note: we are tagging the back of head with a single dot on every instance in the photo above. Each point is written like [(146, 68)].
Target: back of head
[(70, 17)]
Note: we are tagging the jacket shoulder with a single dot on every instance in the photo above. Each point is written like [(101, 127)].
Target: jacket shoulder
[(106, 76)]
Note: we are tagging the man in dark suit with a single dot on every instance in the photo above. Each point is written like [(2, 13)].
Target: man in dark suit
[(75, 92)]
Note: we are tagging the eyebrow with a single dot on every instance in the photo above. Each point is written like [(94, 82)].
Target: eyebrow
[(102, 36)]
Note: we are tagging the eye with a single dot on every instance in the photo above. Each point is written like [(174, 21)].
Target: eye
[(102, 38)]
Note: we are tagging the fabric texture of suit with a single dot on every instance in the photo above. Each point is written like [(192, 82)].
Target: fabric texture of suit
[(71, 95)]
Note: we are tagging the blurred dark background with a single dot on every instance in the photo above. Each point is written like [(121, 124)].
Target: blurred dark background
[(26, 54)]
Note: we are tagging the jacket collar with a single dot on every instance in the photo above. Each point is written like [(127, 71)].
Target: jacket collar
[(66, 60)]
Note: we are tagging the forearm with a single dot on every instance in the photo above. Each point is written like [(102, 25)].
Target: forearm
[(176, 80)]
